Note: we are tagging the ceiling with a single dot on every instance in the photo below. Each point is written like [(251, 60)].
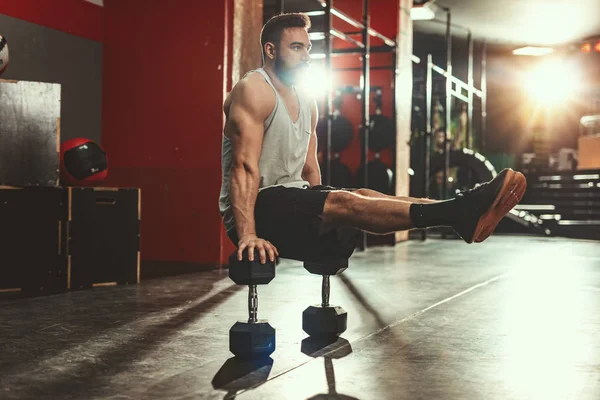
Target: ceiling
[(521, 22), (505, 22)]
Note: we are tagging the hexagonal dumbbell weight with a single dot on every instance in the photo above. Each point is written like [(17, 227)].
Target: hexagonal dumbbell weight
[(324, 320), (254, 338)]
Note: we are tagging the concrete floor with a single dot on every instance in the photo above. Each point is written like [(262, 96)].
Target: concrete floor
[(512, 318)]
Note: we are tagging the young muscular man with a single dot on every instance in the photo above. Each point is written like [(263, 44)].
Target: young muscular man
[(271, 196)]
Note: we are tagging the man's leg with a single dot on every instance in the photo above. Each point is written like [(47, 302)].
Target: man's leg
[(473, 214), (377, 195), (290, 218), (370, 214)]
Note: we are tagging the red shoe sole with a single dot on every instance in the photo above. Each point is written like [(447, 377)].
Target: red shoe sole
[(510, 195)]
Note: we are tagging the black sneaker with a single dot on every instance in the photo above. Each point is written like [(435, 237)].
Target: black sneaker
[(482, 207)]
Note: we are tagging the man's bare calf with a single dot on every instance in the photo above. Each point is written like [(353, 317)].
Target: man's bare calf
[(374, 214), (473, 214)]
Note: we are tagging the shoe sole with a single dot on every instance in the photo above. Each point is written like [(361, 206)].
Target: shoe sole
[(505, 201)]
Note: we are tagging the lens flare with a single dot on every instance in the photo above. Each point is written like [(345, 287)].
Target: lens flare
[(315, 81), (552, 82)]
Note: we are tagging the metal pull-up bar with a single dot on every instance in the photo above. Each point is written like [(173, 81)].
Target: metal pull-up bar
[(349, 51), (343, 36), (353, 22), (340, 35), (379, 49), (457, 81)]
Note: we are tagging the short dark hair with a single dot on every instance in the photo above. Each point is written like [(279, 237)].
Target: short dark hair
[(273, 29)]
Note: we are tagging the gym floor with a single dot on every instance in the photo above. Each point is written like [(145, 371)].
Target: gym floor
[(515, 317)]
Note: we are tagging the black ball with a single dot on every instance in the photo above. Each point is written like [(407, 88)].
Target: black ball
[(342, 133), (3, 54), (380, 177), (83, 162), (382, 134)]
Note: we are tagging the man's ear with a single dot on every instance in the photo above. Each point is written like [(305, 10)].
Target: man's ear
[(270, 50)]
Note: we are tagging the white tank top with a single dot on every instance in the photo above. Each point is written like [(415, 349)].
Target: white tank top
[(283, 153)]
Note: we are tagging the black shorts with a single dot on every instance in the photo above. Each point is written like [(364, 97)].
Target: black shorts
[(290, 219)]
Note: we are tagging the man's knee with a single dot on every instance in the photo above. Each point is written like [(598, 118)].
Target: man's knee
[(363, 192), (338, 204)]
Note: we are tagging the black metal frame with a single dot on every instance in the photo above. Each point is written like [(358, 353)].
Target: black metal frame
[(366, 96), (364, 49), (450, 80)]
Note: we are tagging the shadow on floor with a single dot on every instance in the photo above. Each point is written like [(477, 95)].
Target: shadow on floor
[(237, 375), (329, 349), (363, 300), (92, 374)]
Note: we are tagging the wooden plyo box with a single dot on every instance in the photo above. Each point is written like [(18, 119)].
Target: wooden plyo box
[(56, 239), (29, 133), (589, 152), (31, 240), (102, 236)]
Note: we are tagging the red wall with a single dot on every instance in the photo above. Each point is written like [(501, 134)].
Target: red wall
[(227, 247), (76, 17), (165, 74), (162, 119), (384, 19)]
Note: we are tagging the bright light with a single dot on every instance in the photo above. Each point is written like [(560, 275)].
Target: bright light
[(533, 51), (552, 82), (586, 48), (315, 81), (316, 36), (423, 12), (597, 47)]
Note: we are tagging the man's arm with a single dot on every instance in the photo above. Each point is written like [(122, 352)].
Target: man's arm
[(245, 129), (311, 171)]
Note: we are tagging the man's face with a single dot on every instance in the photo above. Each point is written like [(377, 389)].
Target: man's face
[(292, 56)]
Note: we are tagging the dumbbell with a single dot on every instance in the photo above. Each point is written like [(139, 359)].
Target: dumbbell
[(324, 320), (254, 338)]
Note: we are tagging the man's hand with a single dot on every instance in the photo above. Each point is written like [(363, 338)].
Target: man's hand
[(251, 242)]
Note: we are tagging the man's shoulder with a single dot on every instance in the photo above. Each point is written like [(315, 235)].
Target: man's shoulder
[(253, 82), (253, 91)]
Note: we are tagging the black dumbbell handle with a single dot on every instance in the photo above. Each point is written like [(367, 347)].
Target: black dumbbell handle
[(252, 304), (325, 291)]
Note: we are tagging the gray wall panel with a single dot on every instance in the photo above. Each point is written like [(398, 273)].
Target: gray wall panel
[(42, 54)]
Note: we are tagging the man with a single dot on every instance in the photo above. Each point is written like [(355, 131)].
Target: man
[(271, 197)]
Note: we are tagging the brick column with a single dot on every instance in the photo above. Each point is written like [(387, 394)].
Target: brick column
[(247, 24), (404, 82)]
